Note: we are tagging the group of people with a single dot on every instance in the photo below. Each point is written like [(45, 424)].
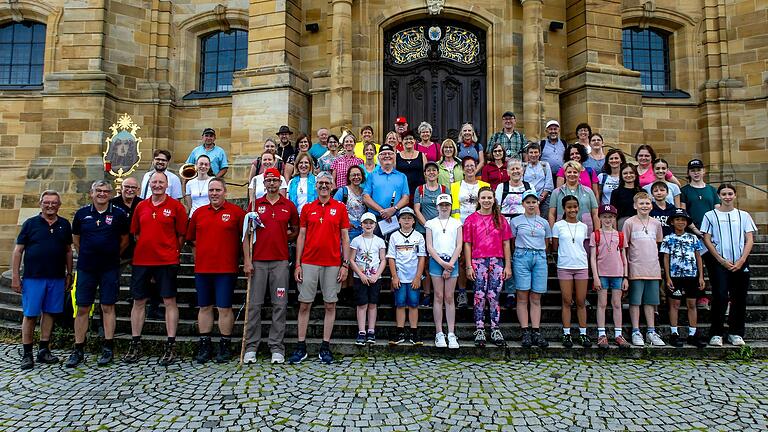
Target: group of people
[(438, 217)]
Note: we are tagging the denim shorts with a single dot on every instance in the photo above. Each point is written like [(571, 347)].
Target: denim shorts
[(406, 295), (436, 269), (530, 270), (611, 282), (644, 291)]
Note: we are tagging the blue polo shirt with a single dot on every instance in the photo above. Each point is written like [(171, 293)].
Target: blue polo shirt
[(380, 186), (99, 237), (317, 150), (45, 247), (216, 154)]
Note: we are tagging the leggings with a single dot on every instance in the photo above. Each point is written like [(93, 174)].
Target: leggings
[(488, 284)]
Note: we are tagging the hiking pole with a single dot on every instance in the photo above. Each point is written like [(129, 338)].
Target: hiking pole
[(249, 239)]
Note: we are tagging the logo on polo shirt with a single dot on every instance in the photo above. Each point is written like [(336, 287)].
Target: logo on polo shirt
[(108, 220), (262, 209), (333, 212), (225, 217), (167, 212)]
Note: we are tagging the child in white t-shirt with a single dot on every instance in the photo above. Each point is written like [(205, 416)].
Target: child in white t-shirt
[(367, 261)]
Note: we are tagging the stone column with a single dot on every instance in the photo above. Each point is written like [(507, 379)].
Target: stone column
[(341, 65), (533, 68)]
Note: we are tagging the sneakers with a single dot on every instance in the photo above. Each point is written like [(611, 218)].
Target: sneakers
[(106, 357), (736, 340), (567, 341), (370, 338), (654, 339), (360, 341), (413, 337), (498, 338), (585, 341), (510, 302), (325, 356), (621, 342), (426, 300), (526, 341), (453, 341), (440, 340), (299, 355), (74, 359), (480, 337), (225, 352), (716, 341), (602, 342), (676, 341), (702, 303), (249, 357), (277, 358), (169, 355), (696, 341), (27, 361), (45, 356), (538, 340), (134, 352), (637, 339), (398, 338), (461, 299), (203, 351)]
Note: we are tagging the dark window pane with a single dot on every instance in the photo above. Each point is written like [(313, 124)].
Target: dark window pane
[(219, 60), (20, 75), (241, 59), (38, 53), (6, 33), (38, 33), (21, 53), (210, 66), (211, 43), (225, 82), (226, 61), (36, 74), (209, 82), (5, 53), (5, 74), (227, 41), (22, 33)]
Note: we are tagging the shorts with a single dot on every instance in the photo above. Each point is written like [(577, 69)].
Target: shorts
[(366, 294), (686, 287), (406, 295), (644, 291), (611, 282), (108, 281), (216, 287), (436, 269), (42, 295), (326, 277), (529, 267), (165, 281), (575, 274)]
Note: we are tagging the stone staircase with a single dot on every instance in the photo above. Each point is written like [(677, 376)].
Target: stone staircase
[(345, 329)]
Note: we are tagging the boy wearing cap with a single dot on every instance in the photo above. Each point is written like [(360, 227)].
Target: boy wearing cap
[(684, 275), (367, 261), (406, 255), (608, 261), (216, 154)]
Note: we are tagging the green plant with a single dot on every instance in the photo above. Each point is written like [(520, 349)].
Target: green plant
[(745, 353)]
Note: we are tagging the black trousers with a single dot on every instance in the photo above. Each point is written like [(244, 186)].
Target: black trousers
[(733, 287)]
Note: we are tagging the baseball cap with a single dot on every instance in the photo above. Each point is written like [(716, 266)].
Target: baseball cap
[(530, 192), (209, 130), (401, 120), (407, 210), (367, 216), (443, 199), (431, 164), (680, 213), (271, 173), (607, 208), (552, 122), (508, 114), (386, 147), (695, 164)]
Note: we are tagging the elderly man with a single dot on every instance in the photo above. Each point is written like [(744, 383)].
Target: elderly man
[(386, 189), (100, 236), (216, 154), (214, 231), (161, 159), (324, 225), (512, 140), (127, 201), (159, 224), (321, 146), (401, 127), (45, 242), (266, 263), (553, 147)]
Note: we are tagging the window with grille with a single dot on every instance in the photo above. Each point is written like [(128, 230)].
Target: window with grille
[(647, 51), (22, 50), (222, 53)]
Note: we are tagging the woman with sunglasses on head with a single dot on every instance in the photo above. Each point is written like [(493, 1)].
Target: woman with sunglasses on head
[(608, 180), (301, 188), (449, 164), (645, 176)]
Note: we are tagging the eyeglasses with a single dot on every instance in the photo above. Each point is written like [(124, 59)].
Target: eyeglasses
[(102, 191), (130, 187), (51, 204)]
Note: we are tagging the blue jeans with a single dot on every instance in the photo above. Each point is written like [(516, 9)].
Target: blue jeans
[(530, 270), (406, 295)]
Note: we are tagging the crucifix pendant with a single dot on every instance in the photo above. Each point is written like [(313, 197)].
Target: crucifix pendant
[(273, 215), (98, 222), (153, 215), (51, 230), (645, 230), (321, 220)]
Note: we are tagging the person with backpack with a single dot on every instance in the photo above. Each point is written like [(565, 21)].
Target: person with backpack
[(469, 146), (351, 196), (587, 176), (553, 147), (257, 167), (511, 140), (425, 209), (539, 175), (509, 195)]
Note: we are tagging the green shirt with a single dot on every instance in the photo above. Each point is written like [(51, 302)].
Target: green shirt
[(587, 201), (698, 201)]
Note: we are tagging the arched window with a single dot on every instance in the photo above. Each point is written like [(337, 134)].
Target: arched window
[(222, 53), (22, 49), (647, 51)]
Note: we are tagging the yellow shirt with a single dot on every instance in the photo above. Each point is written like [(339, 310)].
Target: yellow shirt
[(359, 152)]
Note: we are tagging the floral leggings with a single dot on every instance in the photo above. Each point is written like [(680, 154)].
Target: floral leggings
[(489, 273)]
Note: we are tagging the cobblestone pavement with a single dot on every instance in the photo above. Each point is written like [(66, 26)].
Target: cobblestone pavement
[(392, 393)]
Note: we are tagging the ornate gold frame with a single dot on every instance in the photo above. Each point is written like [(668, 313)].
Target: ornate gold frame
[(124, 123)]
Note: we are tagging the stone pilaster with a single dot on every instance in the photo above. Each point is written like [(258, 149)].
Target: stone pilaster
[(533, 69), (341, 65)]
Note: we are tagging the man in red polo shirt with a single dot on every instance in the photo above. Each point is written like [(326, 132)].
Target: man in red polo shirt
[(324, 226), (214, 231), (268, 265), (159, 223)]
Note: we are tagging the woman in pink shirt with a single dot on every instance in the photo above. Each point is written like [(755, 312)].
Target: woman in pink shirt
[(486, 246), (645, 157), (430, 148), (587, 176)]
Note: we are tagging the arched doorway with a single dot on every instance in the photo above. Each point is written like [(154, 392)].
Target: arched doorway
[(434, 71)]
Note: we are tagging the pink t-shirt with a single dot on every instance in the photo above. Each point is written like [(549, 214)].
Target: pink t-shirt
[(649, 177), (584, 177), (432, 152), (487, 240), (642, 239), (609, 262)]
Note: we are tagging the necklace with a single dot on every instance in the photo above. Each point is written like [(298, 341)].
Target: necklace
[(645, 225), (446, 223), (609, 240), (573, 232), (531, 224), (199, 187)]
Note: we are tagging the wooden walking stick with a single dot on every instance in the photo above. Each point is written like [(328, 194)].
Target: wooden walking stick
[(249, 239)]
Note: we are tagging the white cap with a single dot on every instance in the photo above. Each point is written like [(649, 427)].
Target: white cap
[(368, 216), (443, 198), (552, 122)]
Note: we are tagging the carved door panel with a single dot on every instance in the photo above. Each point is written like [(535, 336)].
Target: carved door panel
[(435, 72)]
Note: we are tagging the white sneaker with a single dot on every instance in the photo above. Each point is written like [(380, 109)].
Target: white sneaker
[(453, 341), (440, 340), (716, 341), (654, 339), (249, 357), (736, 340), (277, 358), (637, 339)]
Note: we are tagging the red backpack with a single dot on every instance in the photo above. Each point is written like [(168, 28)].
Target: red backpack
[(597, 241)]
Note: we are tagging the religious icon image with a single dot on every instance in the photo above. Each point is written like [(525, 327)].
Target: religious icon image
[(122, 155)]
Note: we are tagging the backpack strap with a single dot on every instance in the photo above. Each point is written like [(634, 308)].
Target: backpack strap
[(420, 190), (344, 195), (621, 239)]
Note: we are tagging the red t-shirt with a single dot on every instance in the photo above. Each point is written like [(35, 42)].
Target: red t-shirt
[(217, 235), (272, 240), (322, 245), (158, 228)]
